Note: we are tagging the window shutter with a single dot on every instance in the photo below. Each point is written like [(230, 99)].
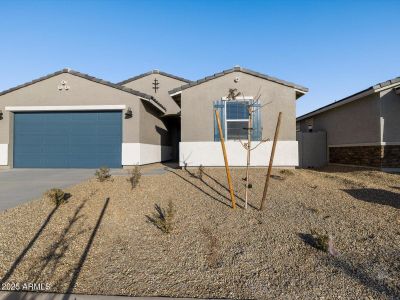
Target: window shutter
[(219, 106), (256, 134)]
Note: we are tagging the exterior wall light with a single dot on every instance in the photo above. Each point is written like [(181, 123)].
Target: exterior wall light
[(128, 113), (1, 115)]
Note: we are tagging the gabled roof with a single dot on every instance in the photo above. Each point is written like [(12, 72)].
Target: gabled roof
[(91, 78), (243, 70), (368, 91), (153, 72)]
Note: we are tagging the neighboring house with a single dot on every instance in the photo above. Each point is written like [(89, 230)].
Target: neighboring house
[(362, 129), (72, 120), (199, 134)]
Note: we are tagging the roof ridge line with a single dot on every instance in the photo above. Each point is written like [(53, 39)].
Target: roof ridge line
[(238, 69), (154, 71)]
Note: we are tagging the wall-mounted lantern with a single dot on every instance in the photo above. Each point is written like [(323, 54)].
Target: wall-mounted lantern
[(1, 115), (128, 113)]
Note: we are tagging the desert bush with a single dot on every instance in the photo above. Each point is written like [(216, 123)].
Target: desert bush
[(134, 176), (162, 218), (103, 174), (321, 240), (200, 172), (324, 242), (57, 196), (286, 172)]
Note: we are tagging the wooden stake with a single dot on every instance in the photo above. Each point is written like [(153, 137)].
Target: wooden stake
[(271, 160), (248, 153), (228, 173)]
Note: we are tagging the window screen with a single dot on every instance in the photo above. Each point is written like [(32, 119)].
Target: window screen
[(234, 120), (237, 117)]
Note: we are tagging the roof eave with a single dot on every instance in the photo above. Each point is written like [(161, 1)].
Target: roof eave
[(155, 104), (299, 93)]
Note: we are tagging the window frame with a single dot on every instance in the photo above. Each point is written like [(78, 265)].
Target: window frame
[(240, 99)]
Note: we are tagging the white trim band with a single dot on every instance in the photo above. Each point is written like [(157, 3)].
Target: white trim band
[(142, 154), (65, 108), (3, 154), (210, 154)]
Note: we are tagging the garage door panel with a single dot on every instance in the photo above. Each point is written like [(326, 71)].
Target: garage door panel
[(55, 140), (68, 139), (56, 129), (28, 139), (55, 149), (28, 148)]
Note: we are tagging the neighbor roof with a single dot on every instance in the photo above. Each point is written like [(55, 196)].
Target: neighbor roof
[(153, 72), (88, 77), (238, 69), (368, 91)]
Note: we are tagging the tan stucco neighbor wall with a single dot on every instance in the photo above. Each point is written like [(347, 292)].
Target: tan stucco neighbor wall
[(197, 118), (145, 85), (357, 122), (390, 113)]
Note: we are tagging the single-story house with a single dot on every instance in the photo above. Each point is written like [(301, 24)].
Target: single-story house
[(362, 129), (68, 119)]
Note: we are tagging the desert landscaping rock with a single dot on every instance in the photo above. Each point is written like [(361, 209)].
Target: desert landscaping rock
[(213, 251)]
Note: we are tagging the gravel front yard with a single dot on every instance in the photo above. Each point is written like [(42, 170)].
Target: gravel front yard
[(94, 246)]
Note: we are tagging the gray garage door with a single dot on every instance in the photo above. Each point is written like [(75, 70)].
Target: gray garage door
[(89, 139)]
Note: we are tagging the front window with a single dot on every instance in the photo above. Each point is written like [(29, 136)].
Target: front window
[(237, 118), (234, 117)]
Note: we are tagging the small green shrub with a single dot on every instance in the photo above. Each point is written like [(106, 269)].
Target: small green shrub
[(134, 176), (103, 174), (286, 172), (56, 196), (321, 240), (163, 219)]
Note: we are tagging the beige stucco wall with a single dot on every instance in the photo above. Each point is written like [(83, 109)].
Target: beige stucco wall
[(145, 85), (390, 112), (152, 128), (352, 123), (197, 106)]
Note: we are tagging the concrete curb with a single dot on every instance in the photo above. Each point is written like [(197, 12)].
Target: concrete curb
[(52, 296)]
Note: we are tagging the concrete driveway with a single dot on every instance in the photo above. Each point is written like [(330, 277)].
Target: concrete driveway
[(21, 185)]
